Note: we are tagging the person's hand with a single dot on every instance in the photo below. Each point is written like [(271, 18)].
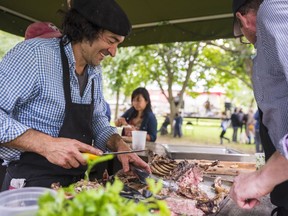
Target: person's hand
[(120, 122), (127, 159), (133, 158), (247, 189), (66, 152), (128, 130)]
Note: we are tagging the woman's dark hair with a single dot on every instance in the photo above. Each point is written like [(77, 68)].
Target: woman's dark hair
[(145, 94), (77, 28)]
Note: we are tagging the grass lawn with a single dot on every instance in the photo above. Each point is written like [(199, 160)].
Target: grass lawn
[(204, 132)]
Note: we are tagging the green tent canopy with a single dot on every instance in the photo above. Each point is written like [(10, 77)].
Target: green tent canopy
[(153, 21)]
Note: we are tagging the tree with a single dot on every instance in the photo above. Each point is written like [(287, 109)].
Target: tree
[(121, 74), (7, 42), (234, 64), (172, 64), (188, 65), (234, 59)]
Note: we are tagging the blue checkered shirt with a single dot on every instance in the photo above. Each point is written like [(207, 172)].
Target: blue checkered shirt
[(32, 95), (270, 70)]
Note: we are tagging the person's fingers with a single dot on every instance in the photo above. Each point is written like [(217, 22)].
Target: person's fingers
[(68, 163), (250, 203), (81, 159), (138, 162), (89, 149), (73, 163), (84, 148), (242, 202), (125, 164), (142, 164)]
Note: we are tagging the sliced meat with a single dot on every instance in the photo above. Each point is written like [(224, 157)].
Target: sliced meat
[(184, 207)]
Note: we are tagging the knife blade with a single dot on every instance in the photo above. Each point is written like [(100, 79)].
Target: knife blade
[(123, 152)]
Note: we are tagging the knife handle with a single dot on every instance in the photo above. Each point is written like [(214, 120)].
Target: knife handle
[(88, 156)]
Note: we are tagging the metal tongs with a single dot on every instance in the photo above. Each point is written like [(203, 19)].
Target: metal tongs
[(143, 175)]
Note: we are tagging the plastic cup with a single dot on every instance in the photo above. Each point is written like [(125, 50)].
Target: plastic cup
[(119, 130), (22, 202), (138, 140)]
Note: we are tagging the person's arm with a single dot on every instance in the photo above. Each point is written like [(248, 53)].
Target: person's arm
[(63, 152), (249, 187), (19, 86), (121, 121)]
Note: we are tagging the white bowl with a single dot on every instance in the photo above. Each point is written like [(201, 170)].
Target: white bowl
[(21, 202)]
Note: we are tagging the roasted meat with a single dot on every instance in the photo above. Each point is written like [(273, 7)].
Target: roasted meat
[(162, 166)]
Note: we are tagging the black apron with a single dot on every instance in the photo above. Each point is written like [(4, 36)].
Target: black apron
[(279, 195), (36, 169)]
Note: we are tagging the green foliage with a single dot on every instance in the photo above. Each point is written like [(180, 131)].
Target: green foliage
[(188, 66), (91, 163), (100, 202), (121, 71), (7, 42), (235, 63)]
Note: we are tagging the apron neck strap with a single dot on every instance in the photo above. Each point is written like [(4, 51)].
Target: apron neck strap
[(66, 76)]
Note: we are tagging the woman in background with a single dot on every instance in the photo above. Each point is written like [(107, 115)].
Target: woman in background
[(139, 116)]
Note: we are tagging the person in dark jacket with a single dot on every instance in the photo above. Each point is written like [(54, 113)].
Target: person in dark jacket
[(178, 125), (235, 124), (259, 147), (139, 116), (225, 122), (163, 130)]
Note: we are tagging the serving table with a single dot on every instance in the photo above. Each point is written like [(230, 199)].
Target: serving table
[(227, 170), (231, 163)]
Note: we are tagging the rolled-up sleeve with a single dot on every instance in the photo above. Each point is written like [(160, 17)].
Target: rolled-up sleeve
[(10, 129), (16, 86)]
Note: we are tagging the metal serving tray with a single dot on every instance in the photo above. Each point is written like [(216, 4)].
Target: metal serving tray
[(206, 153)]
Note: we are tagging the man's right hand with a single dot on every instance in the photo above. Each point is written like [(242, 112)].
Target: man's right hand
[(60, 151), (67, 152)]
